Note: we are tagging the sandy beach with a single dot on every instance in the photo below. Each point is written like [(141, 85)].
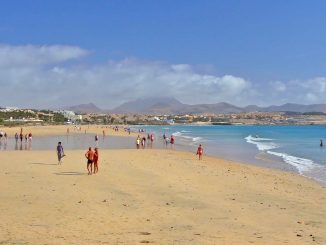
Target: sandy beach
[(62, 130), (154, 197)]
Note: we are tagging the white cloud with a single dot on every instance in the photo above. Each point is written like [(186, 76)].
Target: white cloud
[(37, 76), (278, 86), (37, 55)]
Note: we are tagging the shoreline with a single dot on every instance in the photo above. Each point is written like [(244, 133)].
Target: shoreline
[(44, 131)]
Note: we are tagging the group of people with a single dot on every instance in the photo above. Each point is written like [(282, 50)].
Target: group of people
[(28, 137), (91, 155), (168, 140), (141, 141), (92, 160)]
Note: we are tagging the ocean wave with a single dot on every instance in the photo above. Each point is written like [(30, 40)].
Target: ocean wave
[(263, 144), (177, 133), (195, 139), (257, 138), (302, 164), (185, 131)]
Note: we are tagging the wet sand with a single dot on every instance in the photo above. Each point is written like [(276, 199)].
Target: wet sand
[(156, 197), (62, 130)]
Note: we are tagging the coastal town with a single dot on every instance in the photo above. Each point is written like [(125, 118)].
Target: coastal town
[(10, 116)]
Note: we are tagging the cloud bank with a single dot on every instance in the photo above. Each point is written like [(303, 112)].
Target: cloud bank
[(44, 77)]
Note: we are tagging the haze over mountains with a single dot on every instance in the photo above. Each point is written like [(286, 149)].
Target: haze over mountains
[(168, 105)]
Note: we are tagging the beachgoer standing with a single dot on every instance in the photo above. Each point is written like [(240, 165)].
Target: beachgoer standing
[(16, 137), (96, 140), (200, 151), (96, 157), (21, 137), (90, 159), (30, 137), (167, 141), (172, 140), (143, 142), (138, 142), (321, 143), (60, 152)]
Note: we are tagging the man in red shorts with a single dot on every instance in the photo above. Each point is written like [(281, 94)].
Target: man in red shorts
[(90, 159)]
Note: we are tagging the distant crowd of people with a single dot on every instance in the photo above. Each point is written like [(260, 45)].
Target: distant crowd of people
[(28, 140), (92, 156)]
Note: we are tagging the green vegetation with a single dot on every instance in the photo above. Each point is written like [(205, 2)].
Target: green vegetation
[(19, 114)]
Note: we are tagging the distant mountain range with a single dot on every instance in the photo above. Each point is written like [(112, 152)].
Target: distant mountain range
[(168, 105), (83, 108)]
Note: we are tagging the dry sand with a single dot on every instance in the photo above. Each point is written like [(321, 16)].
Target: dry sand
[(155, 197)]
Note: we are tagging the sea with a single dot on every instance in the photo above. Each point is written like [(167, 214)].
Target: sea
[(289, 148)]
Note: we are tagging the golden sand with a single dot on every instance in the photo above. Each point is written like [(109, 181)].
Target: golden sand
[(155, 197)]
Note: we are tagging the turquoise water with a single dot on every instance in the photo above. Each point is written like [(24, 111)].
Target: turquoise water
[(293, 148), (289, 148)]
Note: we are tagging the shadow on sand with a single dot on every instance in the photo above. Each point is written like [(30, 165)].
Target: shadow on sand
[(70, 173), (42, 163)]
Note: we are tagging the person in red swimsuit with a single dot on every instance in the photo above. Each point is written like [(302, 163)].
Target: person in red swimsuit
[(96, 156), (90, 159), (200, 151)]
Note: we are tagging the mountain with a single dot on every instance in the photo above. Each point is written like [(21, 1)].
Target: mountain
[(171, 106), (84, 108), (297, 108), (162, 105), (168, 105)]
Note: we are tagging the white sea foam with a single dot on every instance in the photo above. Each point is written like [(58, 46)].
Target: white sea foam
[(177, 133), (185, 131), (195, 139), (263, 144), (302, 164)]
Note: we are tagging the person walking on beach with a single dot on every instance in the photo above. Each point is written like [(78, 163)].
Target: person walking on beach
[(90, 159), (200, 152), (96, 157), (60, 152), (96, 140)]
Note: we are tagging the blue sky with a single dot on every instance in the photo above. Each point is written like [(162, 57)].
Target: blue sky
[(234, 50)]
